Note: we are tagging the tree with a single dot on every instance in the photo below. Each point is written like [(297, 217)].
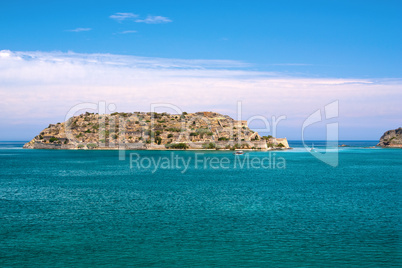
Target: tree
[(210, 145), (182, 146), (158, 140)]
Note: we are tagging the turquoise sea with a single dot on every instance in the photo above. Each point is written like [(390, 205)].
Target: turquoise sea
[(90, 209)]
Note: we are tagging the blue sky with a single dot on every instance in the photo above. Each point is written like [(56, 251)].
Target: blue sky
[(355, 40)]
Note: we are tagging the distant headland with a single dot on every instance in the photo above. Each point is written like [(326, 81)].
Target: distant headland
[(154, 131), (391, 138)]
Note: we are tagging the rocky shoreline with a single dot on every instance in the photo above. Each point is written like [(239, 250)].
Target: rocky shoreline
[(391, 139)]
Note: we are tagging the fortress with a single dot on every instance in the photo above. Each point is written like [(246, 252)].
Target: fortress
[(153, 131)]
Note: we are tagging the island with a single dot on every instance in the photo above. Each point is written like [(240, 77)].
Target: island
[(391, 139), (154, 131)]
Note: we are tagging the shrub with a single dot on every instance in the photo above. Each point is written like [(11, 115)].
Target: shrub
[(194, 134), (210, 145), (92, 145), (223, 139), (80, 146), (182, 146), (280, 145), (173, 129), (170, 136), (53, 139), (158, 140)]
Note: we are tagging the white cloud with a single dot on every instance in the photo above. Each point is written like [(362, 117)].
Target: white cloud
[(291, 64), (40, 87), (123, 16), (80, 30), (154, 20), (127, 32)]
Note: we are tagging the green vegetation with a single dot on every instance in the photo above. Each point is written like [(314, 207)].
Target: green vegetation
[(158, 140), (266, 137), (92, 145), (173, 129), (170, 136), (280, 145), (210, 145), (223, 139), (53, 139), (182, 146)]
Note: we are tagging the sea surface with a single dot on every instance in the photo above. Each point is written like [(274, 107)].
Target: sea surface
[(106, 209)]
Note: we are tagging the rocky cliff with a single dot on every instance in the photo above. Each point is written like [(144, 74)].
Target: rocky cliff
[(147, 131), (391, 138)]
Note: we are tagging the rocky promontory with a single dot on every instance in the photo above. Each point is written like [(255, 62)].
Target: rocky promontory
[(153, 131), (391, 138)]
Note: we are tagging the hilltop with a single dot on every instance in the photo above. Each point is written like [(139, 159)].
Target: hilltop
[(160, 131)]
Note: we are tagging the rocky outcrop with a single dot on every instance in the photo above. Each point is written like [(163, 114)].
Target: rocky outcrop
[(391, 138), (153, 131)]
